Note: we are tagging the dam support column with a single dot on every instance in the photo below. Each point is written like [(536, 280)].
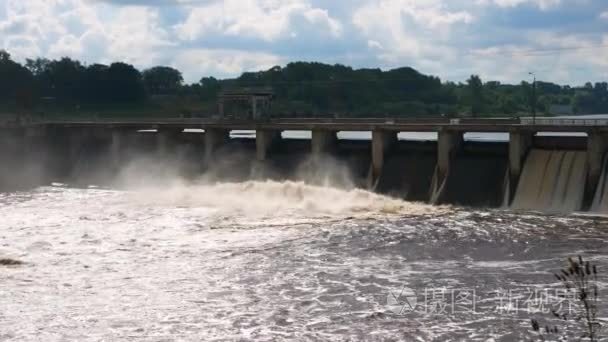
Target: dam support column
[(265, 140), (382, 141), (166, 141), (57, 150), (323, 142), (520, 143), (11, 155), (34, 141), (447, 143), (214, 139), (77, 143), (120, 143), (597, 145), (36, 153)]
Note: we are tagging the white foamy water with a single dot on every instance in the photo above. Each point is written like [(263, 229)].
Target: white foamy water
[(264, 261)]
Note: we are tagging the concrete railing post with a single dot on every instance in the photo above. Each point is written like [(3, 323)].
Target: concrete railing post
[(382, 141), (264, 141)]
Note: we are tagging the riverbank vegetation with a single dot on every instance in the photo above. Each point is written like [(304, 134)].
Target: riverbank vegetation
[(67, 87)]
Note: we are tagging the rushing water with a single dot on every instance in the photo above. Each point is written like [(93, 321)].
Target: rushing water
[(275, 261)]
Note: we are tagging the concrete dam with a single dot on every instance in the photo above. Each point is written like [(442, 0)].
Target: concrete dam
[(526, 171)]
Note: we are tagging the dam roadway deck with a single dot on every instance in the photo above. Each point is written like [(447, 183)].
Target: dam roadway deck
[(391, 125)]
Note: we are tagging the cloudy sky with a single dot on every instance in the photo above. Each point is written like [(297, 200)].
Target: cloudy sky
[(563, 41)]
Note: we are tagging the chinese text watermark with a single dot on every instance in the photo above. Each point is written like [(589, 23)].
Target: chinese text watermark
[(453, 301)]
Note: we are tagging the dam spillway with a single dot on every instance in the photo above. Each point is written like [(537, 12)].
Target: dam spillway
[(408, 171), (527, 172), (477, 174), (552, 181)]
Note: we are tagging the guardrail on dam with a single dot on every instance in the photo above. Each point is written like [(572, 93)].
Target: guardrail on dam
[(527, 172)]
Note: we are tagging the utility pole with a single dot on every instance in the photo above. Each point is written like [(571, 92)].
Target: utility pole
[(533, 98)]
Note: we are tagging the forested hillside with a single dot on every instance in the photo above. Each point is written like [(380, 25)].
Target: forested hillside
[(69, 87)]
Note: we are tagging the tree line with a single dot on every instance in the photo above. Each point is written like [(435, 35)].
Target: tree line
[(300, 89)]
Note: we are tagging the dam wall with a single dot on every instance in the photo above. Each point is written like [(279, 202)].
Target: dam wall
[(526, 172)]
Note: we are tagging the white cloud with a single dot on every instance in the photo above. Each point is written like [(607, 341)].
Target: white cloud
[(374, 45), (74, 28), (317, 16), (408, 28), (223, 63), (565, 59), (67, 45), (136, 36), (542, 4), (21, 47), (264, 19), (434, 36)]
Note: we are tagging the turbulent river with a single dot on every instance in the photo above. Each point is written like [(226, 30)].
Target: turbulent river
[(271, 261)]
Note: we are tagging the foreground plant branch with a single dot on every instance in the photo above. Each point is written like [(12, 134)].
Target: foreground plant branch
[(579, 279)]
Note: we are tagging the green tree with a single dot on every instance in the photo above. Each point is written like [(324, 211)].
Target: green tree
[(96, 84), (62, 80), (16, 82), (126, 83), (37, 66), (209, 88), (476, 96), (161, 80)]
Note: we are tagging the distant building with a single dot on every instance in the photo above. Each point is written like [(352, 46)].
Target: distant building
[(561, 110), (245, 103)]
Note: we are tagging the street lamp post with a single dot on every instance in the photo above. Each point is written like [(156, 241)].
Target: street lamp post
[(533, 98)]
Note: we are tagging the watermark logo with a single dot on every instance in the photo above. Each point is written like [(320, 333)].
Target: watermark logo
[(403, 301)]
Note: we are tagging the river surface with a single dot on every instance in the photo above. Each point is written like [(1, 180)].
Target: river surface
[(271, 261)]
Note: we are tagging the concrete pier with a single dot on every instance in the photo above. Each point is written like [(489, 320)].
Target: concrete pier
[(520, 143), (77, 140), (12, 143), (265, 140), (214, 139), (382, 141), (447, 143), (166, 139), (11, 146), (323, 142), (597, 145), (120, 143), (35, 140)]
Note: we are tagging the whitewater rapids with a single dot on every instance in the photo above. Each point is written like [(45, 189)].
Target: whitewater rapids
[(265, 261)]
